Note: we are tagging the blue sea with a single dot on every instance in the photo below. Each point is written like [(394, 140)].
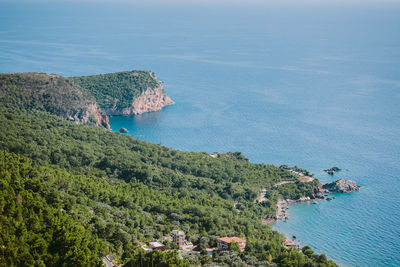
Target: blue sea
[(313, 84)]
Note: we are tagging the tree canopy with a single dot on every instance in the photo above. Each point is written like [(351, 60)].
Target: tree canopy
[(71, 194)]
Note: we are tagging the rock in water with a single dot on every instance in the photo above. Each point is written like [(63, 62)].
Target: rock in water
[(341, 186), (333, 170), (123, 130)]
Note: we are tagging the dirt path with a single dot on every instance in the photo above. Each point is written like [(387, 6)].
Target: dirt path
[(284, 182), (261, 197)]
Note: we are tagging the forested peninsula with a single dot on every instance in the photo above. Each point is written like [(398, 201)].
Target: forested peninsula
[(73, 192)]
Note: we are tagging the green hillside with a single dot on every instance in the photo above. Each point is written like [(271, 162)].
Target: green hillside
[(117, 90), (51, 93), (71, 194)]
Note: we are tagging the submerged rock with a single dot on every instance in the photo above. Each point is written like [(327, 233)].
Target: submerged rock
[(123, 130), (341, 186), (332, 170)]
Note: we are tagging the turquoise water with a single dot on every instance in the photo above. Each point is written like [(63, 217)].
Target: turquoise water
[(310, 85)]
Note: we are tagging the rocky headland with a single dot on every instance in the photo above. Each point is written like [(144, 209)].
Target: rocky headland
[(125, 93), (152, 99), (86, 99)]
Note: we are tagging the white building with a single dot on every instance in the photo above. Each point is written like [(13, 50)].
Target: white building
[(178, 237)]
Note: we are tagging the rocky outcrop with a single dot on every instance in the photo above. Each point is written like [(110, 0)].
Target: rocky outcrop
[(123, 130), (152, 99), (89, 114), (341, 186), (100, 118)]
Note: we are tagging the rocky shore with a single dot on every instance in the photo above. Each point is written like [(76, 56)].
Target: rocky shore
[(283, 207), (339, 186)]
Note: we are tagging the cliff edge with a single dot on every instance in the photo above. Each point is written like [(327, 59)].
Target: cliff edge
[(152, 99), (125, 93)]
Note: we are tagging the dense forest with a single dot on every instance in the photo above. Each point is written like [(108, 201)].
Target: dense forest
[(117, 90), (71, 194)]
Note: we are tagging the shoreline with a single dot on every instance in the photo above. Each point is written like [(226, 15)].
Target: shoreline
[(323, 191), (283, 207), (282, 210)]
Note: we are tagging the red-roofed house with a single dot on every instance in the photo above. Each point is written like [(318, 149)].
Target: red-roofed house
[(223, 242), (291, 243)]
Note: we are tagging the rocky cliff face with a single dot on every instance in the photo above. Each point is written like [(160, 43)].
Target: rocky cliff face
[(92, 112), (152, 99), (126, 92), (86, 99), (341, 186), (52, 93)]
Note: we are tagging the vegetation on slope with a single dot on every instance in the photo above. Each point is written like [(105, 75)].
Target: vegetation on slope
[(123, 191), (52, 218), (70, 194), (51, 93), (117, 90), (35, 229)]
